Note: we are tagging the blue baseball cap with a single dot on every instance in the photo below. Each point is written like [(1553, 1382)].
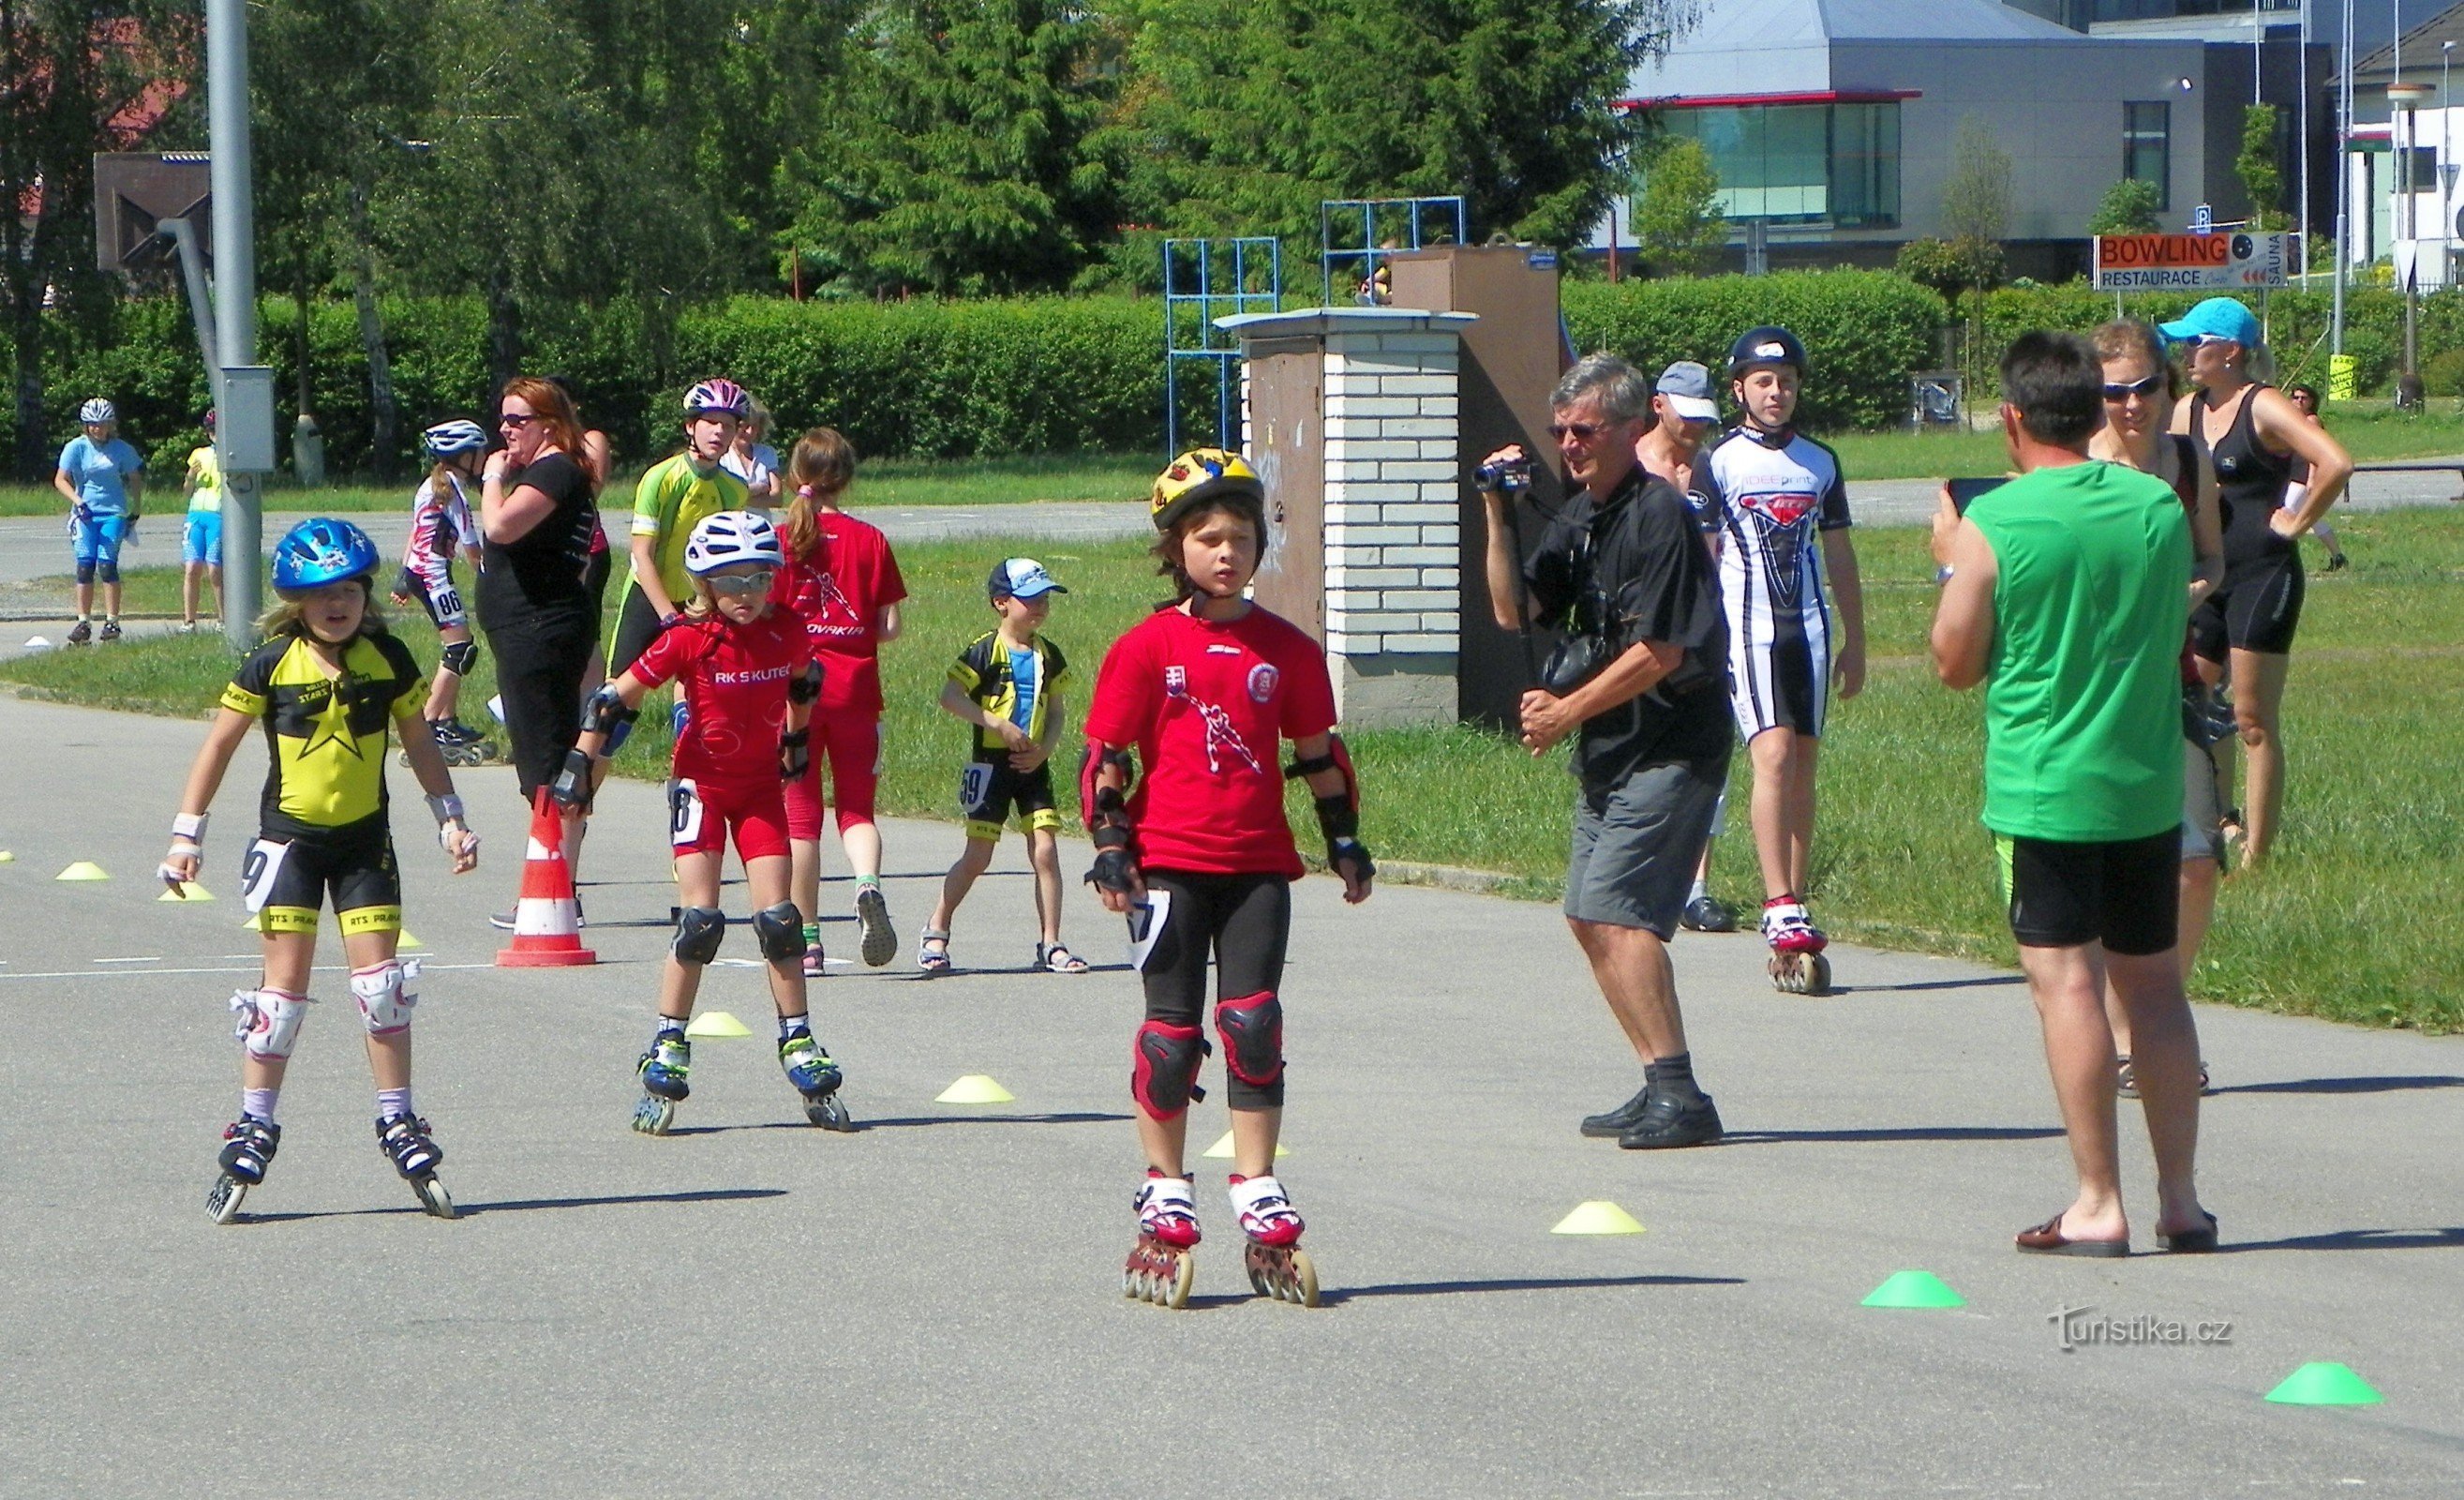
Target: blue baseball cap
[(2217, 317), (1021, 578)]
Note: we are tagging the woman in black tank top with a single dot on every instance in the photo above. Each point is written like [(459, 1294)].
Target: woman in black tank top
[(2250, 434)]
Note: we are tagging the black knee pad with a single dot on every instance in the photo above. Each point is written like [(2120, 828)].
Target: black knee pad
[(108, 572), (698, 931), (1252, 1029), (85, 572), (460, 656), (1163, 1076), (779, 930)]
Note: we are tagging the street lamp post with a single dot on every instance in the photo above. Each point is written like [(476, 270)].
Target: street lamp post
[(2404, 108), (2343, 184), (244, 433)]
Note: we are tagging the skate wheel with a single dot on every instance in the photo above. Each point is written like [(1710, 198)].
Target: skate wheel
[(654, 1116), (223, 1198), (1816, 975), (828, 1113), (433, 1197), (1304, 1282), (1174, 1292)]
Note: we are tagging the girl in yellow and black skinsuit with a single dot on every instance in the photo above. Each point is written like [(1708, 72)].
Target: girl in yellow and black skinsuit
[(325, 684)]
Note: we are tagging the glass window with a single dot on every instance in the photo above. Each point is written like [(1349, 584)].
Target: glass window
[(1865, 165), (1802, 164), (2148, 146)]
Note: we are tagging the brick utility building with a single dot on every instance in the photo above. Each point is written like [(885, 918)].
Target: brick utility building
[(1832, 123)]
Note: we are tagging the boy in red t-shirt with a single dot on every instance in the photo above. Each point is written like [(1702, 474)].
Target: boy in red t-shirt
[(746, 671), (843, 581), (1199, 855)]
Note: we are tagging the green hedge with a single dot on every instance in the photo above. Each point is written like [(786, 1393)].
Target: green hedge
[(1866, 331), (2297, 324)]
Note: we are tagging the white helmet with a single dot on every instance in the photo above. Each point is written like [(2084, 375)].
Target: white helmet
[(732, 537), (98, 410), (459, 436)]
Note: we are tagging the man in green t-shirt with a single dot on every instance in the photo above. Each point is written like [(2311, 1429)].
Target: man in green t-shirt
[(2065, 592)]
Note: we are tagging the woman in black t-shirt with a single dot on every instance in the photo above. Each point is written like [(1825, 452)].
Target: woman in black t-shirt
[(537, 512)]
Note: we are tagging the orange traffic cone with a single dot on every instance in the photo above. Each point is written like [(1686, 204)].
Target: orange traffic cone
[(547, 925)]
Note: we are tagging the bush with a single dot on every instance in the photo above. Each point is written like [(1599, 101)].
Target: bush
[(1864, 330), (2297, 324), (2442, 374)]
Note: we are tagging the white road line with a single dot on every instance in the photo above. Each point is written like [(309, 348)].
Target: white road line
[(147, 974), (149, 959)]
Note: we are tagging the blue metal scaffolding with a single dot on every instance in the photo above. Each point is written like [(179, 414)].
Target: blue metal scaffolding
[(1385, 226), (1204, 279)]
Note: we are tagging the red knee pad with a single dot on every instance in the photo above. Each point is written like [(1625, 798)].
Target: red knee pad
[(1163, 1074), (1252, 1029)]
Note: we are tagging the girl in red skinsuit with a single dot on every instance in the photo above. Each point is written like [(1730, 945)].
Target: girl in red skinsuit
[(1200, 856), (746, 669), (843, 581)]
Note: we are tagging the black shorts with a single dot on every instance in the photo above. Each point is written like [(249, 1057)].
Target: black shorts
[(2125, 894), (637, 626), (435, 591), (540, 663), (989, 790), (2259, 608), (1246, 922), (288, 877)]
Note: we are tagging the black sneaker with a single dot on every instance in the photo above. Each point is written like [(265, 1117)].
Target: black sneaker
[(1707, 914), (111, 629), (1666, 1123), (1619, 1120)]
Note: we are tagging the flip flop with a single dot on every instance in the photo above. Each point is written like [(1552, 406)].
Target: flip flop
[(2048, 1239), (2190, 1242)]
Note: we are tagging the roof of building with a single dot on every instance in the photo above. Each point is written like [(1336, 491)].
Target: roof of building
[(1727, 23), (2420, 48)]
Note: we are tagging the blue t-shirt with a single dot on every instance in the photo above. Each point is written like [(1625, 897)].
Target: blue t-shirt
[(100, 473), (1022, 683)]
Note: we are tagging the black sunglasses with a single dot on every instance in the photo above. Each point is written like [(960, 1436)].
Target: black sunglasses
[(2137, 387), (516, 419), (1580, 431)]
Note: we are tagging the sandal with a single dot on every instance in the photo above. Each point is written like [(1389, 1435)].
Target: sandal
[(933, 959), (2048, 1239), (1057, 959), (2190, 1242)]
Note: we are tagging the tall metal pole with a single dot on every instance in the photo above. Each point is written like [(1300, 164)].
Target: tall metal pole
[(2343, 180), (2301, 133), (235, 305)]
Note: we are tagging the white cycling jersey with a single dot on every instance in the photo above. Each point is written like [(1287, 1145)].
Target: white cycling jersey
[(1771, 496)]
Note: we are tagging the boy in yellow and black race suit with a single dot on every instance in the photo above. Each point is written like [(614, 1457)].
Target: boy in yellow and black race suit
[(1006, 685), (328, 685)]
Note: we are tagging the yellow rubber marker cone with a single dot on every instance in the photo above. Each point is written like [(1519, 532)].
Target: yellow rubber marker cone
[(190, 891), (405, 939), (7, 858), (1221, 1150), (253, 922), (975, 1088), (1599, 1216), (82, 870), (712, 1024)]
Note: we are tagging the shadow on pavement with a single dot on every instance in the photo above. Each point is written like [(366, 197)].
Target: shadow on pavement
[(1080, 1118), (2390, 1085), (2447, 1239), (720, 1195), (1336, 1296), (1923, 985), (1751, 1137)]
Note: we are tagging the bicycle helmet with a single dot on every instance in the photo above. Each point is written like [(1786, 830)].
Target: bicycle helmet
[(98, 410), (725, 397), (732, 537), (459, 436), (1766, 345), (1204, 473), (322, 550)]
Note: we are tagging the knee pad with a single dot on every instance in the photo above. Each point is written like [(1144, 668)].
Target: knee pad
[(698, 931), (460, 656), (1163, 1078), (385, 995), (86, 570), (1252, 1029), (269, 1021), (779, 930), (107, 572)]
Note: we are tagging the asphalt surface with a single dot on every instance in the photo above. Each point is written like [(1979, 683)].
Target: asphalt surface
[(751, 1306)]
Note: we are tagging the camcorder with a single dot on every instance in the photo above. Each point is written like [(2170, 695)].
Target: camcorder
[(1507, 475)]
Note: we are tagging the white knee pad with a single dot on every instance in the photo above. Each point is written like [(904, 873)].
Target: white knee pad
[(385, 995), (269, 1021)]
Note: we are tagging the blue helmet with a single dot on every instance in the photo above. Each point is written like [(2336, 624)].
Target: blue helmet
[(322, 550)]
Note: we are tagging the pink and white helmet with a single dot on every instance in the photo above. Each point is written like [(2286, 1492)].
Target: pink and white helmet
[(724, 397)]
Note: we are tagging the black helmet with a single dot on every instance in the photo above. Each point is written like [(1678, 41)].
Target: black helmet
[(1766, 345)]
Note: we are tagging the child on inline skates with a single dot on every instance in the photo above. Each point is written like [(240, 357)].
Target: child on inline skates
[(1198, 854), (440, 527), (325, 684), (747, 670), (845, 586), (1006, 685)]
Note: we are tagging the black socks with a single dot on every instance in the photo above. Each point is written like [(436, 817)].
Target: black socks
[(1674, 1076)]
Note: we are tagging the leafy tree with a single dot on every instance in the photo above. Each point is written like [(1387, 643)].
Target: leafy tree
[(1677, 223), (74, 79), (1976, 210), (2127, 208), (2260, 169)]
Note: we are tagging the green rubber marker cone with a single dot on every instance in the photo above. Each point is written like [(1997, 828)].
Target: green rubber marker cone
[(2324, 1383), (1914, 1289), (713, 1025), (1599, 1216), (975, 1088), (1221, 1150)]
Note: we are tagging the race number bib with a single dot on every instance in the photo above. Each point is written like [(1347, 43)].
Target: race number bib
[(1146, 925), (974, 784), (447, 600), (684, 815), (256, 873)]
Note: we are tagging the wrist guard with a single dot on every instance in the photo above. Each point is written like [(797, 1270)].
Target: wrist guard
[(1114, 870), (795, 754), (571, 787), (1099, 805), (805, 686), (1340, 821), (447, 808), (189, 828)]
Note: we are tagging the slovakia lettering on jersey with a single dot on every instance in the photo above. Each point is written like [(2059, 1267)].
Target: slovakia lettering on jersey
[(1207, 704), (735, 678)]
